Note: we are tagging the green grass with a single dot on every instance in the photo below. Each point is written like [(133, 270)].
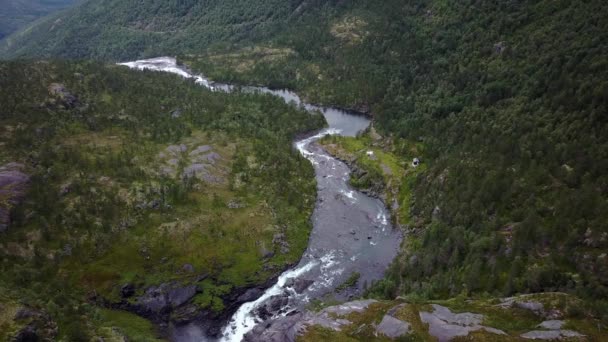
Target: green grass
[(114, 323)]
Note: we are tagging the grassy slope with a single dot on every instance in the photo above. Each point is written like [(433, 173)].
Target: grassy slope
[(87, 226)]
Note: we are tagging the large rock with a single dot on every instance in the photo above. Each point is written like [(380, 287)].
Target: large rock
[(13, 186), (393, 327), (445, 325), (160, 300), (551, 335), (299, 285), (287, 328)]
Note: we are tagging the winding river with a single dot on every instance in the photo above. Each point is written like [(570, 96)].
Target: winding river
[(351, 231)]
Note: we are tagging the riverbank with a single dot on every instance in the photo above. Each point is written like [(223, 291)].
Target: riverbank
[(382, 168)]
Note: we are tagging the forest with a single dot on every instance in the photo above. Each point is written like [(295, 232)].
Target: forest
[(130, 186), (510, 102), (508, 98)]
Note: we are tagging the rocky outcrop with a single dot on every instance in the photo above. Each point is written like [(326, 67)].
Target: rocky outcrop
[(299, 285), (13, 186), (391, 326), (445, 325), (61, 97), (551, 330), (286, 329), (38, 326), (159, 300)]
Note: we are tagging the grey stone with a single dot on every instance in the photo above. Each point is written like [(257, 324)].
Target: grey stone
[(393, 327), (162, 298), (552, 324), (299, 285), (180, 295), (532, 306), (551, 334), (200, 149), (250, 295), (445, 325)]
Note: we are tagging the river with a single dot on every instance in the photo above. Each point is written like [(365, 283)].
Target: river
[(351, 231)]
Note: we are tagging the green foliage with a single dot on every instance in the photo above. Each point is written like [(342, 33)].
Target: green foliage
[(18, 13), (101, 212), (349, 282), (507, 100)]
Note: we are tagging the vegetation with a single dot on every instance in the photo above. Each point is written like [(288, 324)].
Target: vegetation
[(130, 29), (507, 98), (512, 320), (350, 282), (132, 184), (18, 13), (382, 168)]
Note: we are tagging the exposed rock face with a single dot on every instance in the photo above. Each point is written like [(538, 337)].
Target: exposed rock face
[(13, 186), (445, 325), (552, 324), (393, 327), (526, 303), (298, 285), (553, 332), (273, 306), (40, 327), (201, 163), (289, 327), (158, 301), (62, 97)]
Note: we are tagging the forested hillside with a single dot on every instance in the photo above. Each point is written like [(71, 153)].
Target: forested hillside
[(128, 29), (16, 14), (115, 192), (509, 100)]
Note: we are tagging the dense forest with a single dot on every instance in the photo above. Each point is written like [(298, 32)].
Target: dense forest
[(130, 186), (16, 14), (509, 101), (130, 29), (508, 98)]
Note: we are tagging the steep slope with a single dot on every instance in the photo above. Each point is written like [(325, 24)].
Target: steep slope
[(142, 192), (507, 102), (16, 14), (119, 30), (504, 101)]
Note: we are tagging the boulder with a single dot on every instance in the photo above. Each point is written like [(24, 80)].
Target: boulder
[(250, 295), (393, 327), (298, 285), (551, 324), (161, 299), (551, 335), (445, 325)]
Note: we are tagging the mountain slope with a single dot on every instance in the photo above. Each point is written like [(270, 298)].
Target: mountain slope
[(505, 101), (119, 30), (16, 14), (508, 101), (119, 187)]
